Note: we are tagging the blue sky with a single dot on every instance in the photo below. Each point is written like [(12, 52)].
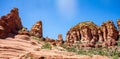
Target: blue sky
[(58, 16)]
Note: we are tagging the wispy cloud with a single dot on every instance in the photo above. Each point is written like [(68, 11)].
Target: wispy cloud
[(67, 8)]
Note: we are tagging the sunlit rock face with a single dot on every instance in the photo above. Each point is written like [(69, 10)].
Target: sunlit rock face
[(118, 24), (112, 33), (91, 34), (10, 24), (59, 42), (36, 30)]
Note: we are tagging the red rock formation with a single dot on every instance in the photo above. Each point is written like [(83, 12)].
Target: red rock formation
[(60, 38), (51, 41), (100, 35), (59, 42), (84, 32), (36, 30), (118, 24), (86, 35), (104, 30), (112, 34), (10, 24), (88, 32)]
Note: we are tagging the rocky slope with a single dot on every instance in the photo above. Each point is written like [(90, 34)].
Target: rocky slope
[(25, 47)]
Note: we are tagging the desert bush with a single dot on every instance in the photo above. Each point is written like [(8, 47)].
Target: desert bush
[(24, 29), (115, 57), (46, 46), (64, 46), (118, 42), (104, 51), (71, 49), (34, 37)]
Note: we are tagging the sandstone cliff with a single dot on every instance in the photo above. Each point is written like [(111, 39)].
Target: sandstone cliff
[(89, 33)]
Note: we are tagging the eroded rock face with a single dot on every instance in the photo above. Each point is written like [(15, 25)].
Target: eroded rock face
[(60, 40), (10, 24), (100, 35), (86, 35), (118, 24), (89, 34), (36, 30), (112, 34), (73, 36), (84, 32)]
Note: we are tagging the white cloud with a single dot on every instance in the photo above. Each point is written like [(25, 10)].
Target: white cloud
[(67, 7)]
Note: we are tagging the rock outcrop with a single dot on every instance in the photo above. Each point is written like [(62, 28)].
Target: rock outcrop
[(54, 42), (60, 40), (36, 30), (89, 33), (10, 24), (118, 24), (111, 33)]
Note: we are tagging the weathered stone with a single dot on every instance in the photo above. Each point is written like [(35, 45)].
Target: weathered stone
[(51, 41), (118, 24), (84, 32), (10, 24), (60, 40), (88, 33), (36, 30), (104, 30), (100, 35), (112, 30)]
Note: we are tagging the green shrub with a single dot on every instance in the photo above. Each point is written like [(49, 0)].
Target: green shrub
[(115, 57), (64, 46), (46, 46), (118, 43), (71, 49), (36, 38), (104, 51)]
